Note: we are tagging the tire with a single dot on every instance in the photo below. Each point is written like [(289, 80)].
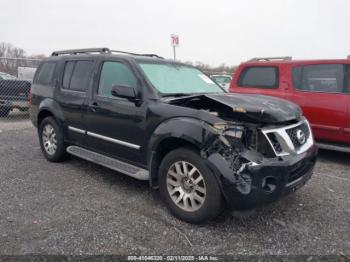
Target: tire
[(194, 211), (55, 153), (5, 112)]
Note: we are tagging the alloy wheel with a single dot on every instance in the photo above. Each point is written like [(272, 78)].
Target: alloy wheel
[(49, 139), (186, 186)]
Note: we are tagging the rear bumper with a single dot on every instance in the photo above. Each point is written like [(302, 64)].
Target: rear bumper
[(8, 104), (268, 181)]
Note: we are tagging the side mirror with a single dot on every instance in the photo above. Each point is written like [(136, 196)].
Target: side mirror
[(123, 91)]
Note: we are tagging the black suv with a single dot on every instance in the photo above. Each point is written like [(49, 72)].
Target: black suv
[(168, 123)]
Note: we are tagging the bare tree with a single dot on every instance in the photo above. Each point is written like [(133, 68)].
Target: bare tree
[(12, 57)]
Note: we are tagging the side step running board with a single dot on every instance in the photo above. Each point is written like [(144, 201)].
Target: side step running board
[(334, 147), (117, 165)]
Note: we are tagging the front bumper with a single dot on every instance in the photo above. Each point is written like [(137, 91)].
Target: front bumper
[(264, 182)]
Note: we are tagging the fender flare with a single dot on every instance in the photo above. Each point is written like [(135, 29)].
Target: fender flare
[(191, 130), (53, 107)]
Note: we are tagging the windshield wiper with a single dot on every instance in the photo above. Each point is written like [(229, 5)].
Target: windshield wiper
[(176, 94)]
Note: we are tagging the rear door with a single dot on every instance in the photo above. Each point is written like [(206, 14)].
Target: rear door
[(260, 79), (319, 90), (72, 96)]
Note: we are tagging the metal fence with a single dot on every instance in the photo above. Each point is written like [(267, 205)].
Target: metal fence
[(16, 75)]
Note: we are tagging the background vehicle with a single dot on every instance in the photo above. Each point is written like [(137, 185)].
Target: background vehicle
[(26, 73), (5, 76), (223, 80), (167, 122), (320, 87), (13, 94)]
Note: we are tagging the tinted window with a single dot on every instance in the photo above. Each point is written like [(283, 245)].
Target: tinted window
[(45, 74), (347, 80), (68, 70), (115, 73), (262, 76), (81, 76), (319, 78)]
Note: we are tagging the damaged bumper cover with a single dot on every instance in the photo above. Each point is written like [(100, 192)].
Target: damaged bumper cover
[(261, 180)]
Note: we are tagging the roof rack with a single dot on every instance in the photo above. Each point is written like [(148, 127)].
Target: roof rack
[(103, 50), (285, 58)]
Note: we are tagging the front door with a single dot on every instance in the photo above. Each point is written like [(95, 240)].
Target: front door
[(114, 125)]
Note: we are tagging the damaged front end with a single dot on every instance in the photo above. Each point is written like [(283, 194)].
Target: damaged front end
[(259, 147), (258, 164)]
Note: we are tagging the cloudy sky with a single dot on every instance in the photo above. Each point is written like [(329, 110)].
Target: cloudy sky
[(214, 32)]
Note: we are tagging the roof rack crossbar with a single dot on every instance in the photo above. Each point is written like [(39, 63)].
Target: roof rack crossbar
[(287, 58), (129, 53)]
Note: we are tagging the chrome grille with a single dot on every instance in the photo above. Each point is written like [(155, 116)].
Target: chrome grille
[(285, 141), (292, 132)]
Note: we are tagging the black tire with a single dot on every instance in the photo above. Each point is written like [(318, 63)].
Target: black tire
[(60, 153), (4, 112), (211, 206)]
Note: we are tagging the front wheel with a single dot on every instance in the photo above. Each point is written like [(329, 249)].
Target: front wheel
[(51, 140), (188, 187)]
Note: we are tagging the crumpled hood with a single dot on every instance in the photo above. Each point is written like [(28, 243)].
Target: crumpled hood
[(243, 107)]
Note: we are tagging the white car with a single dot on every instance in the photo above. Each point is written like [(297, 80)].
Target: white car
[(223, 80)]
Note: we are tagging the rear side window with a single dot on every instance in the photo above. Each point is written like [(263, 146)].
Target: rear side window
[(115, 73), (259, 76), (77, 75), (328, 78), (45, 74), (68, 70), (347, 79)]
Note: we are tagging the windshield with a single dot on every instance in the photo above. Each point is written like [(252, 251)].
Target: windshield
[(7, 77), (222, 79), (179, 79)]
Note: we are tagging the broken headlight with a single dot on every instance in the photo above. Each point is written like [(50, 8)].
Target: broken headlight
[(221, 126), (235, 132)]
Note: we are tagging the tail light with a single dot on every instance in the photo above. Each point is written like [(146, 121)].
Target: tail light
[(30, 96)]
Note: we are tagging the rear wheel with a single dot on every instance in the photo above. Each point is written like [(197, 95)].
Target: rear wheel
[(188, 186), (51, 140)]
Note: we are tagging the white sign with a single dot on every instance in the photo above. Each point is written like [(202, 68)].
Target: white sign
[(175, 40)]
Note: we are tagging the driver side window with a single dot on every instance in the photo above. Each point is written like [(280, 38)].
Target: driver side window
[(115, 73)]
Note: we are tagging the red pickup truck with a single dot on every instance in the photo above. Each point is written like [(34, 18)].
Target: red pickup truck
[(320, 87)]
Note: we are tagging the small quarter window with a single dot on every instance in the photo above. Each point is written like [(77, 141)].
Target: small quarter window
[(45, 74), (259, 77)]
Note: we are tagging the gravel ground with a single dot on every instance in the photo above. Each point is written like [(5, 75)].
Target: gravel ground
[(77, 207)]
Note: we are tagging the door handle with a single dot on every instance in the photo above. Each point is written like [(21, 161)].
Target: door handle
[(94, 106)]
